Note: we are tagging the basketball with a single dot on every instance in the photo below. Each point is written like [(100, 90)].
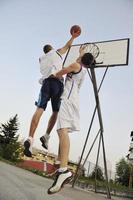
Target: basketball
[(75, 29)]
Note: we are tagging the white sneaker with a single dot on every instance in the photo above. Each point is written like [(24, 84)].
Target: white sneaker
[(44, 142), (61, 178)]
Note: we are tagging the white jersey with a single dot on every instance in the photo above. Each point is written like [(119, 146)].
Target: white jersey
[(68, 116), (50, 63)]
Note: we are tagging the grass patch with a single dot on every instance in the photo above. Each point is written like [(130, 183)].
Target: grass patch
[(102, 185)]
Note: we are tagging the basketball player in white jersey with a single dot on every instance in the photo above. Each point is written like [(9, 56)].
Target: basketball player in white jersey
[(68, 117)]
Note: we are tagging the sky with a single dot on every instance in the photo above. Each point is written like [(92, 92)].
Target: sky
[(28, 25)]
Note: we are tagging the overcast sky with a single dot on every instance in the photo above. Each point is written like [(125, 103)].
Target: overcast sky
[(25, 26)]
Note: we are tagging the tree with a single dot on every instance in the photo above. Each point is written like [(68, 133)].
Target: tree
[(122, 172), (98, 173), (10, 148)]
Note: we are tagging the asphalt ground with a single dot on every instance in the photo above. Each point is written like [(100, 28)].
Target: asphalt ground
[(20, 184)]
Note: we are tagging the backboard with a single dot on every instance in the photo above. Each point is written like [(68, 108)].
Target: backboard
[(109, 53)]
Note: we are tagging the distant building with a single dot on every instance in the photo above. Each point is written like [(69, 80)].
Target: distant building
[(44, 161)]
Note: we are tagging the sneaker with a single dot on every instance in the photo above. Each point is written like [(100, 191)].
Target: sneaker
[(61, 178), (27, 151), (44, 142)]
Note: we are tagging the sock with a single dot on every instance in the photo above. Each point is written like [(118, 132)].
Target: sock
[(47, 136), (31, 143), (62, 169), (31, 139)]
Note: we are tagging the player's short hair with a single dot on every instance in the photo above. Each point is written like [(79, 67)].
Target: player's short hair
[(87, 59), (47, 48)]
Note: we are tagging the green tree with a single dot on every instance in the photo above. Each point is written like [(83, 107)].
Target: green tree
[(98, 172), (122, 172), (10, 147)]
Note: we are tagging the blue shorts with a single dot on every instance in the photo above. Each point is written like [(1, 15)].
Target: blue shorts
[(51, 89)]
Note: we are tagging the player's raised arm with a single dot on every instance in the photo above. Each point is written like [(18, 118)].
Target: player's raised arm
[(75, 32), (71, 68)]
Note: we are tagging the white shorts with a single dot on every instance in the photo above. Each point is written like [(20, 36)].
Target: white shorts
[(68, 116)]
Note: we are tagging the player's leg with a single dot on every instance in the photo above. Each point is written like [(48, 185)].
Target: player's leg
[(52, 122), (41, 106), (63, 175), (64, 143), (56, 89), (34, 123), (57, 161), (45, 138), (35, 120)]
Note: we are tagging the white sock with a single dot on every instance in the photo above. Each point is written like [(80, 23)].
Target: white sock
[(62, 169), (31, 143), (31, 139), (47, 136)]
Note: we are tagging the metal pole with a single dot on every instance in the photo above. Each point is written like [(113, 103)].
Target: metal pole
[(75, 177), (97, 163), (88, 169), (92, 119), (91, 148), (101, 125)]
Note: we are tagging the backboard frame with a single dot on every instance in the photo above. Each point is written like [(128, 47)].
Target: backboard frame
[(101, 45)]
